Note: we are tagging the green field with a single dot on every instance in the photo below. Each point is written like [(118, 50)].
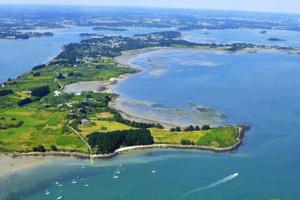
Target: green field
[(219, 137), (215, 137), (103, 126), (39, 128)]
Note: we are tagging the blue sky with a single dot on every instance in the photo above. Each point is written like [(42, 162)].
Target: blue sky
[(289, 6)]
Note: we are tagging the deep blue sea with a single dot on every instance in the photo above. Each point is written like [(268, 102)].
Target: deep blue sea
[(259, 89)]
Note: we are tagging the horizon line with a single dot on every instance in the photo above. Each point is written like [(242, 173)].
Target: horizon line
[(147, 7)]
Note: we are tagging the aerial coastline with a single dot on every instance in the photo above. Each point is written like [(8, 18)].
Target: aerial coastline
[(122, 61)]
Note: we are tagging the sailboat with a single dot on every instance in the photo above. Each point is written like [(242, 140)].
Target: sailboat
[(47, 192), (59, 198)]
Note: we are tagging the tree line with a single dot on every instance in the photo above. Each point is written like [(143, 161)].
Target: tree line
[(190, 128), (108, 142)]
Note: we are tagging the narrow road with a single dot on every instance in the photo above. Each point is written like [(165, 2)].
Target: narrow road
[(87, 144)]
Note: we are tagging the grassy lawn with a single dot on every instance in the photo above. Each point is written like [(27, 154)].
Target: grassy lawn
[(216, 137), (103, 126), (167, 137), (39, 128), (219, 137)]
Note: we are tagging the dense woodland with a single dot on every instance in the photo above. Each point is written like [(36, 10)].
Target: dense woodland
[(108, 142)]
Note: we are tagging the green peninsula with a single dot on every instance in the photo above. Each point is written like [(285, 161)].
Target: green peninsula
[(39, 114)]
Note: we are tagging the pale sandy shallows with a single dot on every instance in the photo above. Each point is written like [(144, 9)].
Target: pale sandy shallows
[(10, 165)]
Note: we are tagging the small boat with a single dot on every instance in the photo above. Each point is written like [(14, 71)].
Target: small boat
[(59, 198), (74, 182), (118, 172), (60, 185), (116, 177), (153, 171), (47, 192), (86, 185), (56, 183)]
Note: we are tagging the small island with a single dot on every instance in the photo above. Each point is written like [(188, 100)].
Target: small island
[(263, 32), (40, 114), (276, 40), (15, 35), (105, 28)]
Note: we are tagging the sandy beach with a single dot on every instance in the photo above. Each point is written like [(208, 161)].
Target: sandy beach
[(10, 164)]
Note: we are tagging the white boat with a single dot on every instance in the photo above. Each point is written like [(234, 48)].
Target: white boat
[(116, 177), (153, 171), (74, 182), (60, 185), (86, 185), (47, 192), (59, 198), (118, 172)]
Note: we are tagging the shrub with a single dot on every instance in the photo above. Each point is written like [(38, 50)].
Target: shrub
[(189, 128), (25, 101), (178, 129), (53, 148), (185, 142), (205, 127), (60, 76), (5, 92), (159, 126), (39, 148), (38, 67), (36, 74)]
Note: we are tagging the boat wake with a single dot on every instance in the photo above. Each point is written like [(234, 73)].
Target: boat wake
[(224, 180)]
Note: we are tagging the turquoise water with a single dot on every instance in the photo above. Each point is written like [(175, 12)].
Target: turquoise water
[(260, 89)]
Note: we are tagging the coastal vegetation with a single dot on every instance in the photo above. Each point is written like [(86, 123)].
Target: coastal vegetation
[(108, 142), (38, 115), (215, 137)]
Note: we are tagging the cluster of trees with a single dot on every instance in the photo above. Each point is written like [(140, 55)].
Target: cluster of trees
[(190, 128), (35, 74), (60, 76), (40, 91), (108, 142), (186, 142), (25, 101), (39, 67), (135, 124), (77, 74), (5, 92), (42, 149), (10, 123), (39, 148)]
